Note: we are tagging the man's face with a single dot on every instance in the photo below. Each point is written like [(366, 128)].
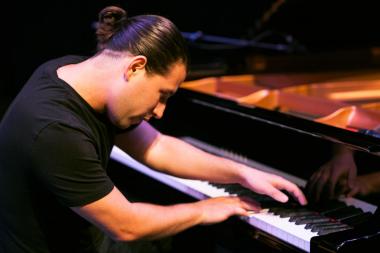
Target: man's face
[(146, 96)]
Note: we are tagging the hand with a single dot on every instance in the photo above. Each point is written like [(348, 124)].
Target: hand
[(216, 210), (334, 178), (271, 185)]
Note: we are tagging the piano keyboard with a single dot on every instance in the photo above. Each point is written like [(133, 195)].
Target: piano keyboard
[(289, 222)]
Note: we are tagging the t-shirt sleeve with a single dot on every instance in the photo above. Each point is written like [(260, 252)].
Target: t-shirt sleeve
[(66, 162)]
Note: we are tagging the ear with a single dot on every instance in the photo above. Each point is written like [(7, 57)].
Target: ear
[(136, 64)]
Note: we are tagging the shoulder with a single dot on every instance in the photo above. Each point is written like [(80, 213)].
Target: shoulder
[(62, 133), (46, 72)]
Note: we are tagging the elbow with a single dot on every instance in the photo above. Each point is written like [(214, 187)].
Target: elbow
[(125, 236)]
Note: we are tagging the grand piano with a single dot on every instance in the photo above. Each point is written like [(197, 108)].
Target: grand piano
[(290, 129)]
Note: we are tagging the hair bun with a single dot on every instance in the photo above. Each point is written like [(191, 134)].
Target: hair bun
[(111, 19)]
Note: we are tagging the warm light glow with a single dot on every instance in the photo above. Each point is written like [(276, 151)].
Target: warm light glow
[(355, 95)]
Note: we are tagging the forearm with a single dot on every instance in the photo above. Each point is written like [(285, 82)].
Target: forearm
[(176, 157), (153, 221), (126, 221)]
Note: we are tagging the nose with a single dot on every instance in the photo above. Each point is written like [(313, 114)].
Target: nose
[(159, 110)]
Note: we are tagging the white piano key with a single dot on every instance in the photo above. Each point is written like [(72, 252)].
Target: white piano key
[(294, 234)]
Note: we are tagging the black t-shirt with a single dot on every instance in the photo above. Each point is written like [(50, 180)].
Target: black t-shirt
[(54, 150)]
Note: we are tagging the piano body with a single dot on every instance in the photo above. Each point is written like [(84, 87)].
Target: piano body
[(290, 130)]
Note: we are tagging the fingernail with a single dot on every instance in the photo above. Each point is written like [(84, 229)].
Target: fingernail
[(284, 198)]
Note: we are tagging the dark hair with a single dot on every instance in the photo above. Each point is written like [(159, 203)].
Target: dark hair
[(155, 37)]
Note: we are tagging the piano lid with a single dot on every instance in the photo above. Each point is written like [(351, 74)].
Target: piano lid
[(343, 111)]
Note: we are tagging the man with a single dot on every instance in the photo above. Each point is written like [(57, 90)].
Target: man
[(56, 138)]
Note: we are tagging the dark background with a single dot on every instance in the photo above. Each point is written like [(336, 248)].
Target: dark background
[(35, 31)]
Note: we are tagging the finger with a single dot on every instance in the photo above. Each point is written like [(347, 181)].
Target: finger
[(277, 195), (250, 204), (294, 190), (241, 211)]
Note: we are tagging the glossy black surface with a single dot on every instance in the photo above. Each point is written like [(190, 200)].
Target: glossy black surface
[(284, 142)]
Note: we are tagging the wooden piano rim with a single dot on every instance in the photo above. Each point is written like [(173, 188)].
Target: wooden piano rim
[(229, 87), (352, 117), (306, 101)]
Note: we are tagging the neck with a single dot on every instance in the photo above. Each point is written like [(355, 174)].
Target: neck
[(92, 78)]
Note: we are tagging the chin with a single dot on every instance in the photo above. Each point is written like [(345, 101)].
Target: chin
[(122, 124)]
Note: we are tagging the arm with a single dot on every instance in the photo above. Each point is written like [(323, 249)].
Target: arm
[(126, 221), (173, 156), (69, 168)]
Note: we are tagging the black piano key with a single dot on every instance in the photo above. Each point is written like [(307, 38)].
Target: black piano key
[(268, 205), (218, 185), (301, 214), (358, 219), (234, 187), (333, 230), (265, 198), (312, 219), (230, 188), (316, 221), (286, 211), (330, 226), (291, 213), (315, 227), (238, 190), (344, 213)]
